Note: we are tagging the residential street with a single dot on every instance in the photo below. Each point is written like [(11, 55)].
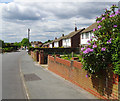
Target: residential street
[(39, 83), (12, 87)]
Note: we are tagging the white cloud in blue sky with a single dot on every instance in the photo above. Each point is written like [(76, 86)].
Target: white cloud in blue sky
[(46, 19)]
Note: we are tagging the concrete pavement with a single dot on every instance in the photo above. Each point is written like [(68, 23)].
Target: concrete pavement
[(43, 84)]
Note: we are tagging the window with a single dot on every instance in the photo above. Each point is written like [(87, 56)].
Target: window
[(82, 36), (87, 35), (90, 35)]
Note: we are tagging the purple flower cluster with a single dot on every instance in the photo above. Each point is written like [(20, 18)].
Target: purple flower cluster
[(94, 30), (98, 21), (109, 41), (94, 46), (88, 50), (112, 15), (103, 49), (82, 49), (89, 44), (88, 41), (103, 18), (117, 12), (99, 26), (115, 26)]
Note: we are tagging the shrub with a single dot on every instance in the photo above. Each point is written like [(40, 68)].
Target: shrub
[(102, 51)]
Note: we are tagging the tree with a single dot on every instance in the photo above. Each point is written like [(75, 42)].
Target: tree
[(24, 42), (2, 43), (17, 44)]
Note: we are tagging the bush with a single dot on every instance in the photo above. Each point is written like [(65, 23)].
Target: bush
[(102, 51), (8, 49)]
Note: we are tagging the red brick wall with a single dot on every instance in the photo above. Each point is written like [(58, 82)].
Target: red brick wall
[(35, 55), (41, 58), (102, 87)]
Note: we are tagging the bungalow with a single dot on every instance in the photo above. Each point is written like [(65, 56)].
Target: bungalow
[(72, 40), (87, 34)]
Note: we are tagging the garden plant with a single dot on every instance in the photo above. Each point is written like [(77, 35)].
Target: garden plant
[(103, 50)]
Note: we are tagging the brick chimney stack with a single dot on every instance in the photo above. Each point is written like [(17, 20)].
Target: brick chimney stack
[(55, 38), (75, 28)]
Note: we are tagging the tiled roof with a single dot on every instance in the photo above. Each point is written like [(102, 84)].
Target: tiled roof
[(90, 28), (46, 44), (59, 39), (72, 33)]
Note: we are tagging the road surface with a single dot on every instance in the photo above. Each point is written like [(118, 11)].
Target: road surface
[(48, 86), (12, 86)]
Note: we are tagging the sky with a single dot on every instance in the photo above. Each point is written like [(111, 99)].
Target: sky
[(47, 19)]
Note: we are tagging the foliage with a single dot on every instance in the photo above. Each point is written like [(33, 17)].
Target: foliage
[(25, 42), (102, 51), (7, 45), (2, 43), (17, 44), (31, 47), (8, 49), (35, 50)]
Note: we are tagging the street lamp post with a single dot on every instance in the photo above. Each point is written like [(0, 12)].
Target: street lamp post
[(28, 37)]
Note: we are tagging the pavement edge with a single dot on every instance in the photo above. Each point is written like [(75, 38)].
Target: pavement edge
[(23, 81)]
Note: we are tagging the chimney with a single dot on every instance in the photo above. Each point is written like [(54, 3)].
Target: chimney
[(75, 28), (62, 35), (55, 38)]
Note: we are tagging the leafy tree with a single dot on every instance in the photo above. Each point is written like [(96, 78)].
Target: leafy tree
[(7, 44), (2, 44), (24, 42), (17, 44)]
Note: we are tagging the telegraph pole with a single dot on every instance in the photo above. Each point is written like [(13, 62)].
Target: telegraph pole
[(28, 37)]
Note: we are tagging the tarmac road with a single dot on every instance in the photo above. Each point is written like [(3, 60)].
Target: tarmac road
[(49, 86), (12, 86)]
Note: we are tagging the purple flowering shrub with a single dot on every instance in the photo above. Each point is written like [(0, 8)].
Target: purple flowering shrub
[(105, 50)]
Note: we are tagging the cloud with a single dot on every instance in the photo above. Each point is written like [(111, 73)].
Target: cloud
[(46, 19), (16, 11)]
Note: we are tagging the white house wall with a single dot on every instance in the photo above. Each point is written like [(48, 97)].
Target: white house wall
[(84, 39), (66, 42), (50, 45), (56, 44)]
